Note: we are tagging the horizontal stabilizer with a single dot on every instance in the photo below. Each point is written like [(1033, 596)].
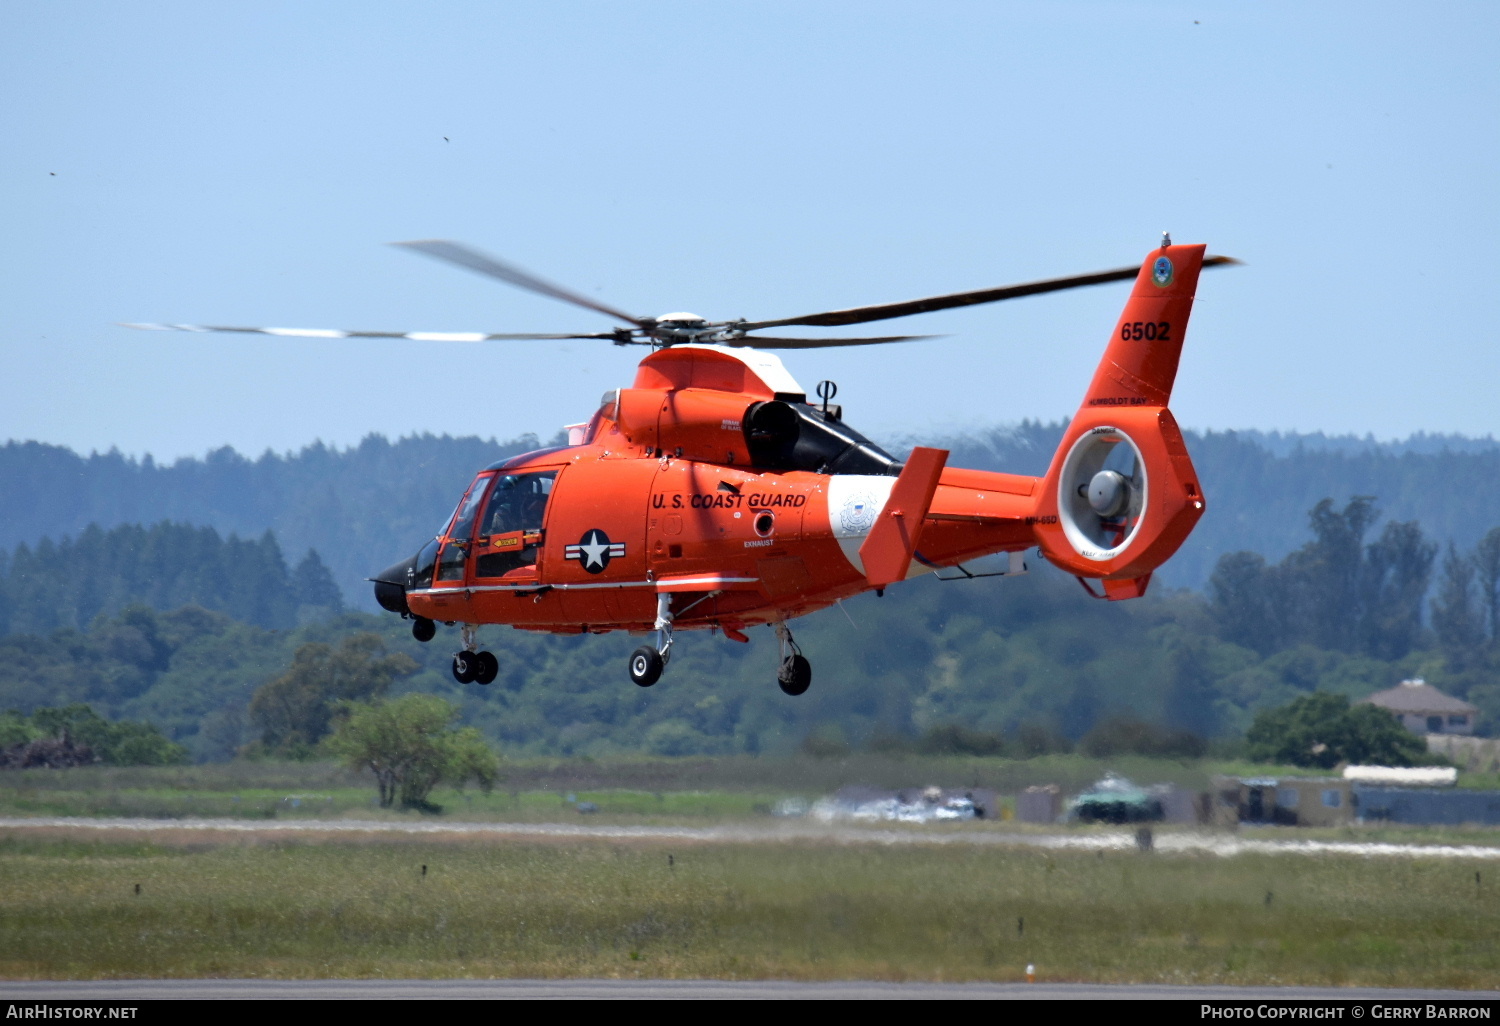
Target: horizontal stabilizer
[(887, 550)]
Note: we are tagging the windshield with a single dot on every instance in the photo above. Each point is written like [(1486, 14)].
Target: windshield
[(463, 518), (456, 542)]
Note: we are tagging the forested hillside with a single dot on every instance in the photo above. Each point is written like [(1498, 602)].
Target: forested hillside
[(1345, 612), (361, 508), (1301, 581), (365, 507), (70, 583)]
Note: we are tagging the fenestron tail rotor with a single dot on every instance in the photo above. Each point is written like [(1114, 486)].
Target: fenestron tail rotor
[(674, 329)]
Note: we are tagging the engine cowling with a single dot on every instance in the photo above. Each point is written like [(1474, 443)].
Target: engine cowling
[(694, 423)]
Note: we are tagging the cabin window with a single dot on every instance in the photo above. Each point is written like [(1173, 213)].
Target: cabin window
[(1288, 797), (1333, 798), (1458, 721)]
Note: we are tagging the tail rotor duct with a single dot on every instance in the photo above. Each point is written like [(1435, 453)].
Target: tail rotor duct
[(1102, 493)]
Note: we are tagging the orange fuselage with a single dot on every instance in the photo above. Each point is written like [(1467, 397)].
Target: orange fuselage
[(770, 546)]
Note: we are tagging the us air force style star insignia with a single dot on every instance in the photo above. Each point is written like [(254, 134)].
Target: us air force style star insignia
[(594, 551)]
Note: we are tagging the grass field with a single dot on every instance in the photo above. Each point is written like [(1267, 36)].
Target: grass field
[(69, 908)]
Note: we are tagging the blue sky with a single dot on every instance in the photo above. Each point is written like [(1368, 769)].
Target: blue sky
[(245, 164)]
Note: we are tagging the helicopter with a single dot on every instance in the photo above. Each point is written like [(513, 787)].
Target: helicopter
[(713, 494)]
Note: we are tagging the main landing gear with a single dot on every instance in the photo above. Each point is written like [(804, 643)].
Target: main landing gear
[(795, 673), (475, 667), (647, 662), (471, 666)]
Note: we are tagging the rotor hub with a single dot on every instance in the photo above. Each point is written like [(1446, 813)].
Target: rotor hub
[(1109, 493), (680, 327)]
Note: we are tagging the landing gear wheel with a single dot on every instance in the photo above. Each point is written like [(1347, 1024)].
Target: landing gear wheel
[(645, 666), (488, 669), (795, 675), (465, 667), (423, 629)]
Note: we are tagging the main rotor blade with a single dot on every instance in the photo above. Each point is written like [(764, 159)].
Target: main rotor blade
[(862, 314), (415, 336), (768, 342), (463, 256)]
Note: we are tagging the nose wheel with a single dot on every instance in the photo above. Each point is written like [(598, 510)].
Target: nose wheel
[(471, 666), (795, 673)]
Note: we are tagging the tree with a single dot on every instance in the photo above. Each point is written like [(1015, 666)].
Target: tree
[(1457, 623), (411, 747), (1487, 564), (296, 710), (1126, 735), (956, 739), (1335, 592), (1033, 739), (1190, 700), (1243, 601), (123, 743), (1398, 568), (1321, 730), (313, 586), (1330, 570)]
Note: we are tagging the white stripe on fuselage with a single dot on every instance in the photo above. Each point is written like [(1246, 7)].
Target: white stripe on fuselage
[(854, 502)]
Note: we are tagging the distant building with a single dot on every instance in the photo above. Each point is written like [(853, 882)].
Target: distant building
[(1284, 801), (1039, 804), (1423, 709), (1334, 801)]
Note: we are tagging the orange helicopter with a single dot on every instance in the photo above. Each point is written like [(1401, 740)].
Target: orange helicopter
[(711, 494)]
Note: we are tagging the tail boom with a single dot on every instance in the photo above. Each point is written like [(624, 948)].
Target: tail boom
[(1121, 494)]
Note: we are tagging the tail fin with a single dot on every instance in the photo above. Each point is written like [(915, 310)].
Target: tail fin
[(1121, 495), (1141, 362)]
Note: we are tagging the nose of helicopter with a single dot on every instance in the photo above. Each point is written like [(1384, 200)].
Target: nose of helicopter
[(390, 585)]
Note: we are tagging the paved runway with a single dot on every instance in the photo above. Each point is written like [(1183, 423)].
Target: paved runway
[(426, 990), (774, 831)]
